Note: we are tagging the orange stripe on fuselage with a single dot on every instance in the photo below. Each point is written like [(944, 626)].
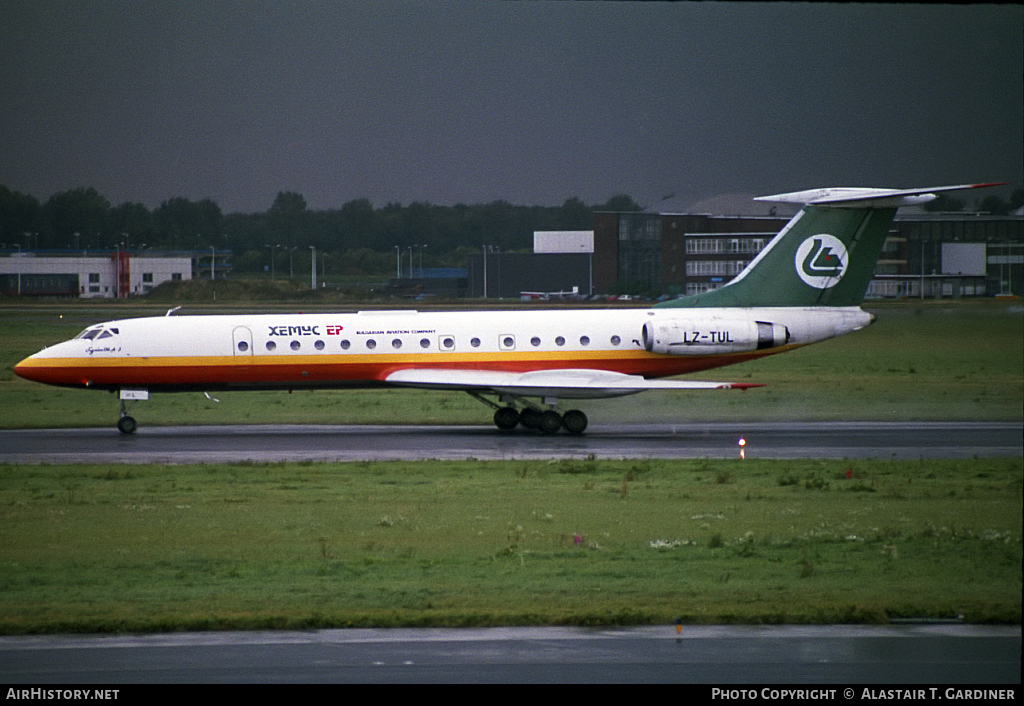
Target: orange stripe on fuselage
[(333, 370)]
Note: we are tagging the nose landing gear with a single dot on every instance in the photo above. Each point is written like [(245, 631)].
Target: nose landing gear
[(126, 424)]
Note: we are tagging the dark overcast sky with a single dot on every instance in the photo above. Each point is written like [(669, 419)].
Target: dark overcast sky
[(528, 102)]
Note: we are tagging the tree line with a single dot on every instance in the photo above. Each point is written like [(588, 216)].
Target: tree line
[(357, 238)]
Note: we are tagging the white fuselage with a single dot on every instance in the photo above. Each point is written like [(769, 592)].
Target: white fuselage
[(284, 351)]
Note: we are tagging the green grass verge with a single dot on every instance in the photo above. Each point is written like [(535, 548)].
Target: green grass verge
[(571, 542), (920, 361)]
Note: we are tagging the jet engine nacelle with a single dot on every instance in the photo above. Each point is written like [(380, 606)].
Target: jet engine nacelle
[(709, 336)]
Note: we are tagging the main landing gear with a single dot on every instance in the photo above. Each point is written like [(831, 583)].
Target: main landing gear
[(547, 421)]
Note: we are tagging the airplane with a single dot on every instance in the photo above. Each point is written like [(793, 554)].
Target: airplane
[(805, 286)]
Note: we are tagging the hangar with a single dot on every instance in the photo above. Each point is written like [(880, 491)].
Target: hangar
[(89, 276)]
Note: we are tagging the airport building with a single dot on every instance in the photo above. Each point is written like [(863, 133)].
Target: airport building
[(424, 282), (105, 275), (938, 255), (926, 255), (560, 266)]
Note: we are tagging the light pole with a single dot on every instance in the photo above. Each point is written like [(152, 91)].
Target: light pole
[(313, 264), (398, 263), (273, 252)]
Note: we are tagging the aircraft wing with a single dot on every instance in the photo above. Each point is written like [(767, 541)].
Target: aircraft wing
[(566, 383)]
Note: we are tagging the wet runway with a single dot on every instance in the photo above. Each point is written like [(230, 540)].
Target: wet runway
[(835, 656), (879, 440)]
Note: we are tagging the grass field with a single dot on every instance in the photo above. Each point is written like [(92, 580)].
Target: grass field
[(580, 542), (920, 361), (584, 542)]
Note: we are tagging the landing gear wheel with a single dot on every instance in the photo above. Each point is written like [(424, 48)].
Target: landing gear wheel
[(530, 418), (506, 418), (575, 421), (127, 425), (550, 422)]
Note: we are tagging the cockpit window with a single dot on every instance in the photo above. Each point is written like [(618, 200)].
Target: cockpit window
[(97, 332)]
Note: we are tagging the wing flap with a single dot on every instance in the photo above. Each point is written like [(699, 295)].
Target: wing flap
[(565, 383)]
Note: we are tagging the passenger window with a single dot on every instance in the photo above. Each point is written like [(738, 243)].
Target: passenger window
[(447, 343), (296, 345), (396, 343), (271, 345), (371, 344), (475, 342), (616, 340), (535, 341), (560, 341), (584, 340), (319, 345), (345, 345), (424, 343), (243, 346), (507, 343)]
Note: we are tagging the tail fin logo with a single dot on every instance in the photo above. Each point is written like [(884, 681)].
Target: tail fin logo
[(821, 261)]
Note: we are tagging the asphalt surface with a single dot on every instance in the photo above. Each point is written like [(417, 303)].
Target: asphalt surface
[(880, 440), (835, 656)]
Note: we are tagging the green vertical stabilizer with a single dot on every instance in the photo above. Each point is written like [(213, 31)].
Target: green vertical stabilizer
[(825, 256)]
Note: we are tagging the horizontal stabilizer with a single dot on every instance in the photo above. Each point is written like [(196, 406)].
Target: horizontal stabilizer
[(568, 383), (865, 197)]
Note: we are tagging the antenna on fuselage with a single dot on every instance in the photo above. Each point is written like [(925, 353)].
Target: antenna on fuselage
[(171, 311)]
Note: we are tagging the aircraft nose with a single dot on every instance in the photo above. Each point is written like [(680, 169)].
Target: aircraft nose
[(43, 367), (59, 364), (26, 369)]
